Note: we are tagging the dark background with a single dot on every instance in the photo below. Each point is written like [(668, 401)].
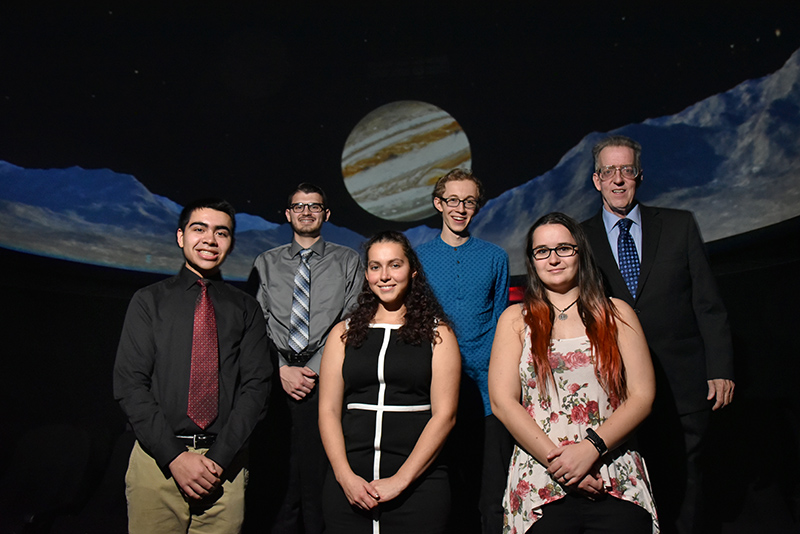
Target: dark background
[(241, 101), (245, 98)]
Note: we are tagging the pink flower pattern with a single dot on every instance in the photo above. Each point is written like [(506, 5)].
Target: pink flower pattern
[(523, 488), (516, 502), (578, 402), (579, 414), (574, 360)]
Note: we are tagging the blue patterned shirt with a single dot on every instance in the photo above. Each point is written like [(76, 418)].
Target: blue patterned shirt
[(471, 283)]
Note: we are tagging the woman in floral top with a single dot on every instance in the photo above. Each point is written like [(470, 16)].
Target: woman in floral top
[(571, 378)]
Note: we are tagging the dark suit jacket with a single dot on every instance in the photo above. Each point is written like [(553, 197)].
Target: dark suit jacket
[(677, 302)]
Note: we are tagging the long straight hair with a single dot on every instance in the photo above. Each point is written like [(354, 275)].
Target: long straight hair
[(597, 312)]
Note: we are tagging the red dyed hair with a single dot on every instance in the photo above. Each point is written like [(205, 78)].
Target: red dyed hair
[(597, 312)]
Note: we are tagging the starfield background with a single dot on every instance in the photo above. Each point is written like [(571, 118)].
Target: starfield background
[(114, 114)]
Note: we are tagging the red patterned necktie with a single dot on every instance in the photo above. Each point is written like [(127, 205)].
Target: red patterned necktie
[(204, 375)]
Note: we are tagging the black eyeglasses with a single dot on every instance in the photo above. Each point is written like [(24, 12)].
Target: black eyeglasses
[(562, 251), (453, 202), (629, 172), (313, 207)]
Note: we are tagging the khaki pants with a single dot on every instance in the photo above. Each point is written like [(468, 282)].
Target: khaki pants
[(156, 505)]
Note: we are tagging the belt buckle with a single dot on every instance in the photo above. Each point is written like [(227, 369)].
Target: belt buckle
[(194, 441), (302, 356)]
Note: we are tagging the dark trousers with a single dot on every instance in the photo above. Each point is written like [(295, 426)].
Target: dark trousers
[(578, 515), (672, 446), (497, 448), (301, 509), (478, 451)]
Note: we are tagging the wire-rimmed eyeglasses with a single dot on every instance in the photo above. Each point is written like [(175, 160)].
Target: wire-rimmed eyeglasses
[(629, 172)]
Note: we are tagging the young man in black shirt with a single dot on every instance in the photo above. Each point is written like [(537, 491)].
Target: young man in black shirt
[(192, 374)]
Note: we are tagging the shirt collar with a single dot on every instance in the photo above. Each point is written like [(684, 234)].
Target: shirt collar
[(317, 248), (188, 279), (610, 220), (466, 243)]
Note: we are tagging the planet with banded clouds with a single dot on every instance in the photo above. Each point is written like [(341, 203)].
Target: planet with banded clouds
[(396, 153)]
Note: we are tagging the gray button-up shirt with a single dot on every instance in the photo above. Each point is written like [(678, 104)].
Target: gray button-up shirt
[(336, 278)]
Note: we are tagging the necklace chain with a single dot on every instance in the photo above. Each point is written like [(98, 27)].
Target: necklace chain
[(562, 315)]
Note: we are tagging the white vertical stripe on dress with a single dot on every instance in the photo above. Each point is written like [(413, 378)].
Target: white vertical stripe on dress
[(376, 462)]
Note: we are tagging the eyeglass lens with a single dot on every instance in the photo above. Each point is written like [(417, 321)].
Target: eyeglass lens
[(454, 202), (626, 171), (562, 251), (313, 207)]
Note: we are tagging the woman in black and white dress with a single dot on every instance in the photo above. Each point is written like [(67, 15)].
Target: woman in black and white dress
[(388, 393)]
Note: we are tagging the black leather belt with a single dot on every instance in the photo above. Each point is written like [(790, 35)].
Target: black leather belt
[(297, 358), (198, 441)]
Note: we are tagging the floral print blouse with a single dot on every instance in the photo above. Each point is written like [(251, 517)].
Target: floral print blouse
[(579, 403)]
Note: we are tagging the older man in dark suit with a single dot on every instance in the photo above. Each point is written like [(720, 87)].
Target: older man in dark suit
[(654, 259)]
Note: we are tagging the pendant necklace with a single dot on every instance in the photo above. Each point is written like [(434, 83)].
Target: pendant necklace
[(562, 315)]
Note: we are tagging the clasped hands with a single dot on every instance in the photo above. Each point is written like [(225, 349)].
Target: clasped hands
[(297, 382), (195, 475), (575, 466), (367, 495)]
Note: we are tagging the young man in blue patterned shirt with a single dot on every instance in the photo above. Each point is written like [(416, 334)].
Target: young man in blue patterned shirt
[(470, 278)]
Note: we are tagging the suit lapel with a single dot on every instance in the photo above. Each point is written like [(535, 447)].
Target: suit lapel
[(651, 234)]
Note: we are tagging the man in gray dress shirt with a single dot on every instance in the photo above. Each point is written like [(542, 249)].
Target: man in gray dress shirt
[(335, 281)]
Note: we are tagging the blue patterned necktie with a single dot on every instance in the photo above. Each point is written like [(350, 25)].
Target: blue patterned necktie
[(628, 259), (298, 331)]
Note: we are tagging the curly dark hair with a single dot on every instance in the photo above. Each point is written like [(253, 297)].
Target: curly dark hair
[(423, 311)]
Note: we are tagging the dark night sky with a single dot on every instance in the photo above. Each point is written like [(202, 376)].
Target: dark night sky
[(246, 101)]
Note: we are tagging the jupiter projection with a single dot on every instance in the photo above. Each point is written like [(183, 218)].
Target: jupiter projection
[(395, 155)]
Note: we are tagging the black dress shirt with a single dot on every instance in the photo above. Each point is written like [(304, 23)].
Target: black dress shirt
[(151, 372)]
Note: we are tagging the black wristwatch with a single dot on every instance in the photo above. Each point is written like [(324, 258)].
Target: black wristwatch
[(597, 441)]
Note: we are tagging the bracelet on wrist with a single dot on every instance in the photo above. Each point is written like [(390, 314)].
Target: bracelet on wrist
[(597, 441)]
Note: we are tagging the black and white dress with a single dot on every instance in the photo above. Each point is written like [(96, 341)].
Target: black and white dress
[(387, 404)]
